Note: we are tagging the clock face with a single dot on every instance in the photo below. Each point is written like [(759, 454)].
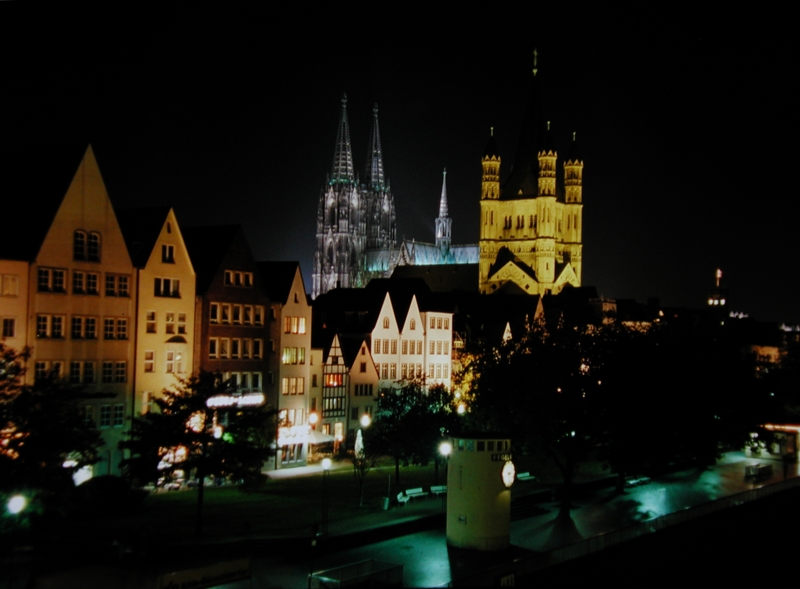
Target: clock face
[(508, 473)]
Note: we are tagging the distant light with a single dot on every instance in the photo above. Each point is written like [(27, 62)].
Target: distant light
[(461, 409), (16, 504), (365, 420)]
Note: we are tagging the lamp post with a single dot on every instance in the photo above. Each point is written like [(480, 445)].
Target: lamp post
[(445, 449), (326, 468)]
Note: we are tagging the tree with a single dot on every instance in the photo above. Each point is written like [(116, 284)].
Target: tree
[(44, 437), (201, 429), (539, 390), (408, 422)]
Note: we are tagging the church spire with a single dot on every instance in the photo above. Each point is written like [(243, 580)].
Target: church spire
[(374, 173), (342, 171), (443, 199), (444, 223)]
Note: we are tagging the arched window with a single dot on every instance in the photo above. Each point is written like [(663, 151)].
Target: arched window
[(79, 245), (386, 323), (413, 324), (93, 247)]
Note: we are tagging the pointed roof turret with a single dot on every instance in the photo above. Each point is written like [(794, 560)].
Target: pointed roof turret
[(342, 170), (533, 137), (374, 172), (443, 199), (574, 152), (491, 146)]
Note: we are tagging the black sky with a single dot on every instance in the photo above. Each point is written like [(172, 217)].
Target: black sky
[(686, 117)]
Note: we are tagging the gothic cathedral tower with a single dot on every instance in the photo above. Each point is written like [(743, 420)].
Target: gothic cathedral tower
[(531, 226), (356, 222), (341, 220)]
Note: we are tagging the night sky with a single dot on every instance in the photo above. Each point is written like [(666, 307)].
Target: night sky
[(686, 118)]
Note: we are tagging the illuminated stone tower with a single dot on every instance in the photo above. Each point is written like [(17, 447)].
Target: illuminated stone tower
[(381, 251), (444, 224), (531, 226), (381, 219), (341, 220)]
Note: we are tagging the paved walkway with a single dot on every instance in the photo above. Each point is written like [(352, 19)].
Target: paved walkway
[(413, 535), (538, 536)]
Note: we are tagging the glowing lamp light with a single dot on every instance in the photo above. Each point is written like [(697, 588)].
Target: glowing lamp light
[(326, 464), (365, 420), (313, 418), (16, 504), (445, 449), (462, 409), (246, 400)]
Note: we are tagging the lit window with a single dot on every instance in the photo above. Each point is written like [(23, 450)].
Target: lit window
[(168, 254), (93, 247)]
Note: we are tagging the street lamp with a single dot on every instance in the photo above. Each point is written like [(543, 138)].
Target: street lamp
[(445, 449), (16, 504), (326, 469)]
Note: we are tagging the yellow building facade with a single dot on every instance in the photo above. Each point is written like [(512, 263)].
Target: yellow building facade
[(531, 224)]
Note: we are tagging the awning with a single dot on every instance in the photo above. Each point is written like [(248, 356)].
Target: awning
[(315, 437)]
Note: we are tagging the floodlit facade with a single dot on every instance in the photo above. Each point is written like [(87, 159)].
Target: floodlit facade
[(531, 224), (289, 358), (165, 302), (356, 235), (80, 305), (230, 308)]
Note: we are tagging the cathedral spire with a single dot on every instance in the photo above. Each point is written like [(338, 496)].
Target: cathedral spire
[(374, 173), (342, 171), (443, 221), (443, 199)]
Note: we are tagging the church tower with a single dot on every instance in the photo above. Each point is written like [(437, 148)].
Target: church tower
[(341, 220), (381, 217), (443, 221), (530, 226)]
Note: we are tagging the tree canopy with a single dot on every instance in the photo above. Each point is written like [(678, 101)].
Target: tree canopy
[(44, 437), (185, 432), (409, 421)]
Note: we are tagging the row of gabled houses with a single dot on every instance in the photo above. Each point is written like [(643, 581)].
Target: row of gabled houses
[(126, 302)]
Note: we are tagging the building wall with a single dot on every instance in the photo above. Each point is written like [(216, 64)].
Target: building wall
[(293, 323), (81, 314), (14, 303), (362, 390), (166, 326)]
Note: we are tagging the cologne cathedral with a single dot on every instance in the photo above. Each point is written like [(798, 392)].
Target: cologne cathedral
[(531, 222), (357, 225)]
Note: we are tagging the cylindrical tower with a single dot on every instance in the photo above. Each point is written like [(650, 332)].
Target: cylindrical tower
[(479, 478)]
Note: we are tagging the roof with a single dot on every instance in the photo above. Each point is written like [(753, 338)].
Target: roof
[(208, 246), (277, 278), (140, 227), (33, 182), (442, 277), (354, 311)]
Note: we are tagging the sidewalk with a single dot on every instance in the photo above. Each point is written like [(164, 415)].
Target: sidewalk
[(413, 535), (539, 538)]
